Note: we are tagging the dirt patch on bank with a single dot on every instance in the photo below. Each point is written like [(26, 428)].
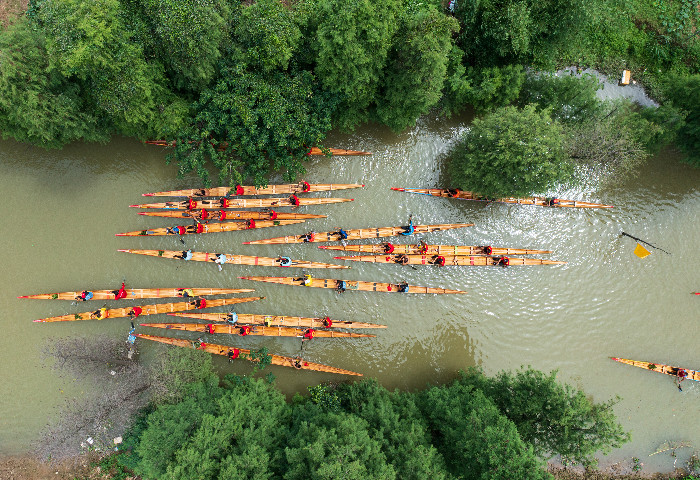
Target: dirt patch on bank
[(11, 8)]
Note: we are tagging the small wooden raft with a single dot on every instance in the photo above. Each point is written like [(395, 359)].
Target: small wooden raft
[(230, 352), (229, 258), (660, 368)]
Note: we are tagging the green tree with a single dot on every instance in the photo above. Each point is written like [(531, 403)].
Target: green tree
[(416, 69), (555, 418), (478, 441), (249, 124), (176, 369), (571, 99), (352, 45), (684, 94), (324, 445), (38, 105), (511, 152), (186, 36)]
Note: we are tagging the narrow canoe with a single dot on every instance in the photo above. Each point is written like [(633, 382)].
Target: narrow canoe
[(539, 201), (139, 293), (231, 215), (434, 249), (255, 330), (147, 309), (480, 260), (312, 151), (301, 187), (224, 350), (660, 368), (208, 228), (277, 320), (358, 234), (243, 203), (233, 259), (351, 285)]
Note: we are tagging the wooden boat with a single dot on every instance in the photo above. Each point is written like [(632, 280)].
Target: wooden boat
[(277, 320), (132, 293), (344, 285), (301, 187), (224, 202), (476, 260), (389, 248), (146, 309), (539, 201), (358, 233), (660, 368), (312, 151), (230, 215), (234, 259), (255, 330), (209, 228), (226, 351)]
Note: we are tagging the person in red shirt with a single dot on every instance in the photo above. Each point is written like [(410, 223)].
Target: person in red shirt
[(135, 312), (121, 293)]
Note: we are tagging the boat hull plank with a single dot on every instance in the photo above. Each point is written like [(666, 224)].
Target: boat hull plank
[(450, 260), (133, 293), (538, 201), (277, 320), (381, 248), (251, 190), (351, 285), (660, 368), (224, 350), (357, 234), (147, 309), (233, 259), (255, 330), (207, 228), (242, 203)]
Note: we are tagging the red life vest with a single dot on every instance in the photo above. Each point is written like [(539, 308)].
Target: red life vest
[(205, 214), (224, 202), (327, 322), (440, 260), (233, 354), (200, 228), (181, 230), (239, 190), (309, 333), (505, 261), (222, 215), (210, 327), (305, 187), (245, 330), (191, 204), (388, 248), (202, 345), (423, 249), (294, 200), (202, 303), (273, 215), (250, 223), (137, 311), (121, 293), (488, 250)]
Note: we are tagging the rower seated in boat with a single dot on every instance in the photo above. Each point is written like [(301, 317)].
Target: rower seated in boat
[(502, 261), (486, 250), (185, 292), (204, 214), (305, 187), (681, 374), (285, 261), (327, 322), (200, 193), (100, 314), (250, 223), (551, 202), (403, 287), (423, 247), (340, 286), (294, 200), (232, 318), (401, 259), (342, 234), (307, 280), (388, 247), (233, 353), (185, 255), (438, 260), (309, 237), (308, 334), (176, 230), (84, 296), (223, 201), (297, 363), (200, 302), (121, 293), (272, 214), (244, 330), (191, 204), (453, 192), (408, 230), (220, 259)]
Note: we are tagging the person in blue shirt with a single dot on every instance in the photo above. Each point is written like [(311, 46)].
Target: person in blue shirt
[(408, 230)]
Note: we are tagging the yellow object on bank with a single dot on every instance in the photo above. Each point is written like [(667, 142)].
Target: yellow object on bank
[(641, 252)]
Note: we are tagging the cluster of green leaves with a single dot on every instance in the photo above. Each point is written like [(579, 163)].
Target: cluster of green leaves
[(473, 428)]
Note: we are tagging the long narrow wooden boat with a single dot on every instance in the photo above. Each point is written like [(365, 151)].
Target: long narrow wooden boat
[(146, 309), (132, 293), (235, 259), (301, 187), (255, 330), (344, 285), (476, 260), (313, 151), (660, 368), (357, 234), (224, 202), (387, 248), (278, 320), (539, 201), (226, 351), (208, 228), (220, 215)]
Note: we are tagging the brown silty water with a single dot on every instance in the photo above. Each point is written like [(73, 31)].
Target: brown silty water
[(62, 209)]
